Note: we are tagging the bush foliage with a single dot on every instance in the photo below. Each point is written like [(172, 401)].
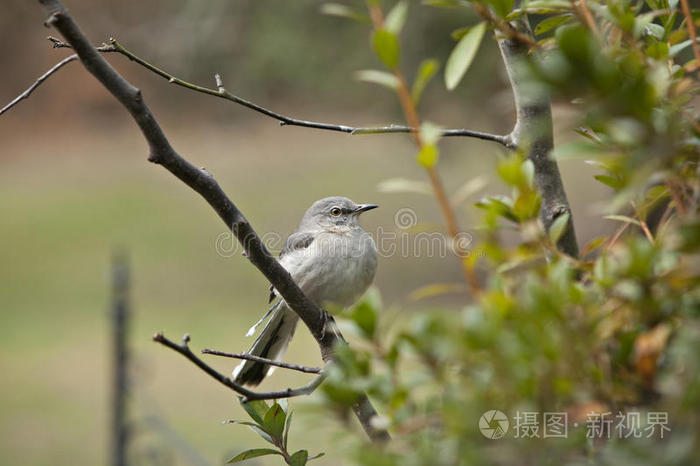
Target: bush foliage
[(600, 338)]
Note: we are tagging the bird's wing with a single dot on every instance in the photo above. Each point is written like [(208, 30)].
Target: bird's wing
[(295, 241)]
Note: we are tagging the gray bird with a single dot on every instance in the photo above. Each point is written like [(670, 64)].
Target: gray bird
[(332, 259)]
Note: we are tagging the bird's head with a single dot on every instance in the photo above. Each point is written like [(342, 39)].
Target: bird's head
[(333, 212)]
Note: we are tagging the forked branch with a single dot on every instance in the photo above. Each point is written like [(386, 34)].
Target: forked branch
[(162, 153), (248, 395), (222, 93)]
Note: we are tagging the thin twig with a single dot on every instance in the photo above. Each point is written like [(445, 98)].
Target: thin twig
[(284, 120), (271, 362), (248, 395), (57, 44), (413, 119), (691, 32), (580, 7), (38, 82)]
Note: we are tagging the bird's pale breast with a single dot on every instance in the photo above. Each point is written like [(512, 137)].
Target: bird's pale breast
[(336, 268)]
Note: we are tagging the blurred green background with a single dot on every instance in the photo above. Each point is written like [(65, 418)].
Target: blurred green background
[(75, 185)]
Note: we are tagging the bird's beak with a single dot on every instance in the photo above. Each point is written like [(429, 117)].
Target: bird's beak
[(365, 207)]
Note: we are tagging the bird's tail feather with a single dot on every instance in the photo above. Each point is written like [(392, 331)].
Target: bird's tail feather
[(270, 344)]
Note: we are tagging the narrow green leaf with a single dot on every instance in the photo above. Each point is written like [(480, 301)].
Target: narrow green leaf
[(316, 456), (245, 423), (274, 421), (287, 424), (462, 55), (263, 434), (623, 218), (593, 244), (299, 458), (343, 11), (386, 45), (609, 181), (428, 156), (403, 185), (255, 409), (460, 32), (426, 71), (378, 77), (678, 48), (556, 231), (396, 18), (552, 22), (254, 453), (447, 3)]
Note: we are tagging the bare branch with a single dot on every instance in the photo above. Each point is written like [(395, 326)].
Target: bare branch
[(221, 92), (57, 44), (248, 395), (162, 153), (271, 362), (38, 82)]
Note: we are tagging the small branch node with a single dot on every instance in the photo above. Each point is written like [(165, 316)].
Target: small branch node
[(51, 20), (219, 83), (185, 339), (171, 80)]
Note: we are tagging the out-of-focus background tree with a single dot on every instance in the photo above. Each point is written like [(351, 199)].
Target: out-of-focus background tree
[(75, 184)]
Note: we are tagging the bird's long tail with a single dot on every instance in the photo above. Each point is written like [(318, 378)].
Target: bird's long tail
[(270, 344)]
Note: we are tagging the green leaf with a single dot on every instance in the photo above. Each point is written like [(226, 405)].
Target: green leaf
[(447, 3), (255, 409), (623, 218), (428, 156), (501, 7), (316, 456), (396, 18), (263, 434), (365, 317), (593, 244), (501, 206), (386, 45), (274, 421), (343, 11), (426, 71), (403, 185), (462, 55), (254, 453), (287, 424), (657, 50), (552, 22), (299, 458), (611, 181), (558, 227), (678, 48), (378, 77)]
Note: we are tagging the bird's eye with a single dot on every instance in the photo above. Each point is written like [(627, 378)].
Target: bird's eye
[(335, 211)]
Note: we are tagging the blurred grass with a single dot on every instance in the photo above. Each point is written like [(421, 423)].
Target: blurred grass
[(71, 196)]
